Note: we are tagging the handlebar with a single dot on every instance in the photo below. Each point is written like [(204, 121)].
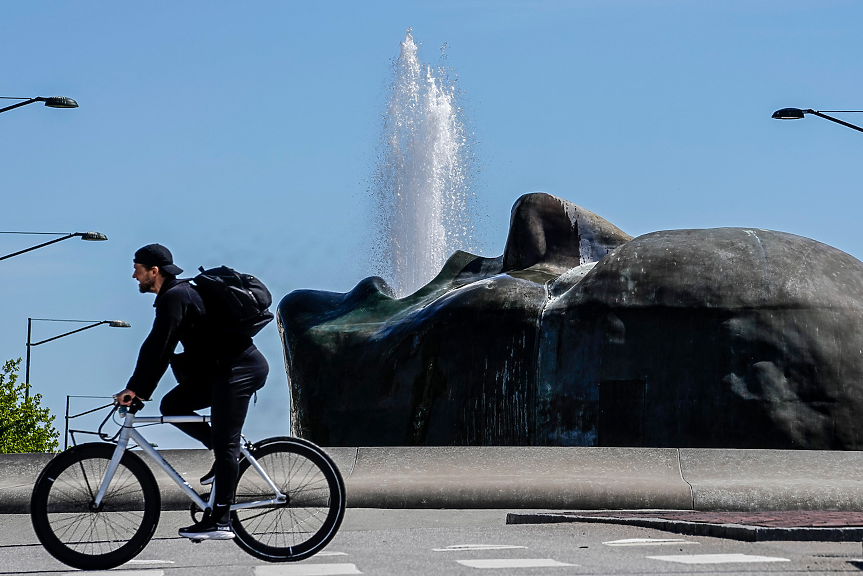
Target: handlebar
[(135, 406)]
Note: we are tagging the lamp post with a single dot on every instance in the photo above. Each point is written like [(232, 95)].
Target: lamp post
[(50, 102), (93, 324), (91, 236), (798, 113)]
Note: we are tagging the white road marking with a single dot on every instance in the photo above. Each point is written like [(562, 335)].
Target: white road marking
[(513, 563), (306, 570), (330, 554), (463, 547), (129, 573), (648, 542), (718, 558), (150, 562)]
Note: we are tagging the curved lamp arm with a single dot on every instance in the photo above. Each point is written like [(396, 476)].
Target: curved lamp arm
[(92, 236), (798, 113), (111, 323), (51, 102)]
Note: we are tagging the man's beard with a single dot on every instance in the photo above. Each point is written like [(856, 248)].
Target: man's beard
[(143, 288)]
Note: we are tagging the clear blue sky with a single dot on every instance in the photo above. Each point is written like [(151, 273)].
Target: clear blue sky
[(245, 134)]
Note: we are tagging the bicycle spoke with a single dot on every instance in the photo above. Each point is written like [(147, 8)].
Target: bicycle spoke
[(84, 474)]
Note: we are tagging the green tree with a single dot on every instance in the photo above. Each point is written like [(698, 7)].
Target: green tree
[(24, 426)]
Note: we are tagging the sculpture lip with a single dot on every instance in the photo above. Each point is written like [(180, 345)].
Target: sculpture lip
[(548, 230)]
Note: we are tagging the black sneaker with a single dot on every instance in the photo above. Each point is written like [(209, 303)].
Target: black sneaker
[(208, 478), (207, 529)]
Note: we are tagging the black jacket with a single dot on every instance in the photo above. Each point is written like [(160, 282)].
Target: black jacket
[(180, 317)]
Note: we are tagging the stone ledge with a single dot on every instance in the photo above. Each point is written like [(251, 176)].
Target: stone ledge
[(544, 478)]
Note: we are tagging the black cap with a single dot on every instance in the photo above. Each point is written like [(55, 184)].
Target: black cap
[(157, 255)]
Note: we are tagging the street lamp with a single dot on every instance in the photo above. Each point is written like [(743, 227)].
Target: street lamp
[(51, 102), (93, 324), (797, 114), (91, 236)]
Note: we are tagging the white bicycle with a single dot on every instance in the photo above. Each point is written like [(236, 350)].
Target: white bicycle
[(96, 505)]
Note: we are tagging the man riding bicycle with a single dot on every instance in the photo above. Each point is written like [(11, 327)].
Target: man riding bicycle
[(216, 369)]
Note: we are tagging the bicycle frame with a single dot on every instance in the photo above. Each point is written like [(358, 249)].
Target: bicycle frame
[(129, 433)]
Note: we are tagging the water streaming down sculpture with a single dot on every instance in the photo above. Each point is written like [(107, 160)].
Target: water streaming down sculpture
[(581, 335), (422, 187)]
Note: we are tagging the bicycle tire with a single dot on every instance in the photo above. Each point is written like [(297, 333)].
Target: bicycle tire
[(76, 534), (309, 519)]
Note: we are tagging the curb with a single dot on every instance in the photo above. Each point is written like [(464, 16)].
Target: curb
[(729, 531), (516, 477), (543, 478)]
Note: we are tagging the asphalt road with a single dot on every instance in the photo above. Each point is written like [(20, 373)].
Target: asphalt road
[(460, 542)]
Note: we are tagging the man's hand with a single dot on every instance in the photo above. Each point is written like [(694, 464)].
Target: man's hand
[(124, 398)]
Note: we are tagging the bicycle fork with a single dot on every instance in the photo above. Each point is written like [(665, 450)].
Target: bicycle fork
[(113, 464)]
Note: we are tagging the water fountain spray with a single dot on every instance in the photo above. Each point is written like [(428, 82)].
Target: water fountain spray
[(423, 182)]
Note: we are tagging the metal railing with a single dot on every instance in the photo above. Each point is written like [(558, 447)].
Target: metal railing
[(67, 431)]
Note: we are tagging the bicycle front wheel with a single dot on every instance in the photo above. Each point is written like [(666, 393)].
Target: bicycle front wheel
[(73, 529), (315, 504)]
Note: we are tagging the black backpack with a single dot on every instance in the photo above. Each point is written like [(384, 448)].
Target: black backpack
[(235, 302)]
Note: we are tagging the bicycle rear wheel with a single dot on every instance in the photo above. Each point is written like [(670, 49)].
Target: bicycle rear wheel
[(80, 535), (315, 503)]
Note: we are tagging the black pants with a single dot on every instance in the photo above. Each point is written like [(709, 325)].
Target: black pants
[(228, 394)]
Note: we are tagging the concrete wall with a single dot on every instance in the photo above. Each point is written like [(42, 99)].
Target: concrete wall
[(544, 478)]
